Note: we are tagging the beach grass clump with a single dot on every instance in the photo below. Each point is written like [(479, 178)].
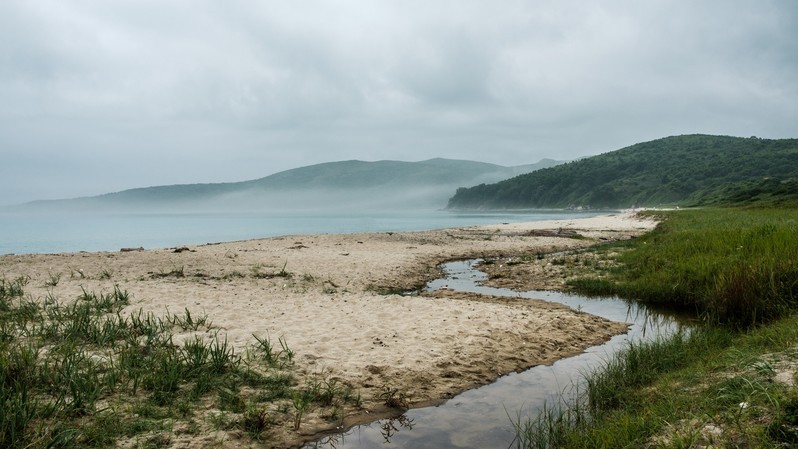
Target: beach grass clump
[(90, 373), (282, 357), (732, 266), (394, 398), (322, 391), (177, 272), (188, 322), (257, 272), (52, 280), (12, 289)]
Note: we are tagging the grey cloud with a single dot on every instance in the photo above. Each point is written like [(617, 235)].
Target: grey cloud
[(236, 90)]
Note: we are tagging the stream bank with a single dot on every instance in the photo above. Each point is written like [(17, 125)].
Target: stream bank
[(482, 417)]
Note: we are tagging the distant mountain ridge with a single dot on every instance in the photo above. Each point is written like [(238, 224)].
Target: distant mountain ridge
[(679, 170), (360, 174), (341, 184)]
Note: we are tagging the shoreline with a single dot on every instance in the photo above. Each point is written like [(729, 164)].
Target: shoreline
[(101, 233), (332, 298)]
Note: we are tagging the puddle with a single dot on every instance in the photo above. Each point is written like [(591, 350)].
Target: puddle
[(482, 417)]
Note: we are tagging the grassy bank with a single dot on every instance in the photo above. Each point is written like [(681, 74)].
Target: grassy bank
[(731, 266), (730, 383), (711, 388), (88, 373)]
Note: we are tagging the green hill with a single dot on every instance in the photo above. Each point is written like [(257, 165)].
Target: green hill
[(680, 170), (383, 184)]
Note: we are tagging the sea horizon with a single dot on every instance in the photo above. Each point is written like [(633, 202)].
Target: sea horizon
[(47, 233)]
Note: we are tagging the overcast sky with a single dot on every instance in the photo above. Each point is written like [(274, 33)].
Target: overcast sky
[(104, 95)]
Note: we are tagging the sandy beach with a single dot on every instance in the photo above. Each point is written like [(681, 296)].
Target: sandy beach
[(333, 299)]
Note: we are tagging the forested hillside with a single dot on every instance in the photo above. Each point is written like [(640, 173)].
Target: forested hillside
[(680, 170)]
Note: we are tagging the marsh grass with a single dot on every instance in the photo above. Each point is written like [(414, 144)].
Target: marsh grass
[(715, 385), (732, 266), (709, 387), (87, 373)]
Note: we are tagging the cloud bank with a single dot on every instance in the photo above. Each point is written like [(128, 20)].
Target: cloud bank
[(99, 96)]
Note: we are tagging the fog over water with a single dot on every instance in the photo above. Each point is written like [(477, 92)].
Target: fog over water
[(375, 198)]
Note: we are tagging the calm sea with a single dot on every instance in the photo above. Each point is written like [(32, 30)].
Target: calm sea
[(22, 233)]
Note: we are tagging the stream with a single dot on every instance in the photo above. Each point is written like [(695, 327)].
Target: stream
[(482, 417)]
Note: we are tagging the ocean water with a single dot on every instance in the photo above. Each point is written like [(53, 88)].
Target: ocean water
[(27, 233)]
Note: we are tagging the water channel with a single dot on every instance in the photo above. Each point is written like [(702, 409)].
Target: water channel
[(482, 417)]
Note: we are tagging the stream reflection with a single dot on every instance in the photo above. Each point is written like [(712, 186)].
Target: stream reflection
[(482, 417)]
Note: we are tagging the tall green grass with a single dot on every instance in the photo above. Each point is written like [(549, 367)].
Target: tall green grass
[(666, 393), (732, 266), (738, 269)]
